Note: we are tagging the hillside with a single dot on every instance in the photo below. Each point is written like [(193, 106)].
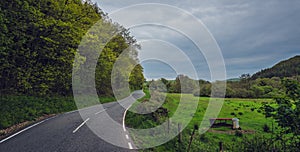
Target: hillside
[(286, 68)]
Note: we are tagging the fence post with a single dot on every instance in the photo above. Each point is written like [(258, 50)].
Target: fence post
[(179, 131), (169, 121), (221, 146)]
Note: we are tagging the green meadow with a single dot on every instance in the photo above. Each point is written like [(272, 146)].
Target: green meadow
[(251, 119)]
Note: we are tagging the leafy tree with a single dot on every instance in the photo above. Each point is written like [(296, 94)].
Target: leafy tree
[(245, 76), (287, 113), (39, 40), (137, 78)]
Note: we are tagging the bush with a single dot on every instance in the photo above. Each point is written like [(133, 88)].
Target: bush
[(259, 111), (238, 134), (203, 138), (240, 113), (233, 114), (257, 143), (266, 128)]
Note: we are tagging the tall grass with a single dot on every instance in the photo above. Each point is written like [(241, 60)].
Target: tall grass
[(17, 109)]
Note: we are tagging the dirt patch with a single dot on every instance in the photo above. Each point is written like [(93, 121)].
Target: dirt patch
[(232, 131), (17, 127)]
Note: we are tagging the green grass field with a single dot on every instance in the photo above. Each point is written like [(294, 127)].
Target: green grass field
[(247, 111)]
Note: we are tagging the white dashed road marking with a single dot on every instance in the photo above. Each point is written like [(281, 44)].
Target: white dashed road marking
[(81, 125), (100, 111), (130, 146)]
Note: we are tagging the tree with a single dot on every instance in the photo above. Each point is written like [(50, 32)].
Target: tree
[(287, 113), (245, 76), (137, 79), (39, 40)]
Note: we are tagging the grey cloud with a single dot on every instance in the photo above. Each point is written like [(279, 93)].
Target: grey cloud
[(252, 34)]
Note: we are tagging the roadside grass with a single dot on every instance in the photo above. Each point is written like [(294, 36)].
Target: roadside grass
[(18, 109), (146, 96), (246, 110)]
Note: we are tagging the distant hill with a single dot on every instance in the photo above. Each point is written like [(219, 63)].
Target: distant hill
[(286, 68)]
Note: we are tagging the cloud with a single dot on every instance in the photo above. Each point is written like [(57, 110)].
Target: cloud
[(251, 34)]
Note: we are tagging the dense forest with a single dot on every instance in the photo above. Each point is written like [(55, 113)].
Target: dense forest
[(39, 40), (38, 43), (287, 68), (264, 84)]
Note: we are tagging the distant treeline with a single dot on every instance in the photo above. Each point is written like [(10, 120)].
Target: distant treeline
[(244, 88), (38, 42), (264, 84)]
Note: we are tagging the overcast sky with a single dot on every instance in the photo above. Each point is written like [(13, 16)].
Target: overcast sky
[(252, 35)]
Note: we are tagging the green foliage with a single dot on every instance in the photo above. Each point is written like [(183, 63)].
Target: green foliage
[(255, 144), (266, 83), (39, 40), (287, 111), (136, 79), (259, 111), (38, 43), (245, 88), (45, 36), (17, 109), (266, 128), (203, 138), (238, 133), (182, 84)]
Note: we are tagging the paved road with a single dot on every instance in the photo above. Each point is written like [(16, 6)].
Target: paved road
[(69, 132)]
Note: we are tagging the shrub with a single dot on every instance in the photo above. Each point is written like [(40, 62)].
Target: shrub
[(238, 134), (257, 143), (266, 128), (232, 113), (259, 111), (240, 113), (203, 138)]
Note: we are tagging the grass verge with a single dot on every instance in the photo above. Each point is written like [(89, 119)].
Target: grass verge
[(20, 111)]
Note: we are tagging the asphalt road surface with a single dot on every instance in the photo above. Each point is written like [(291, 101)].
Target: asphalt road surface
[(69, 132)]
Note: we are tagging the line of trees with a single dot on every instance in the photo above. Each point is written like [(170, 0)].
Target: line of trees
[(245, 87), (38, 42)]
